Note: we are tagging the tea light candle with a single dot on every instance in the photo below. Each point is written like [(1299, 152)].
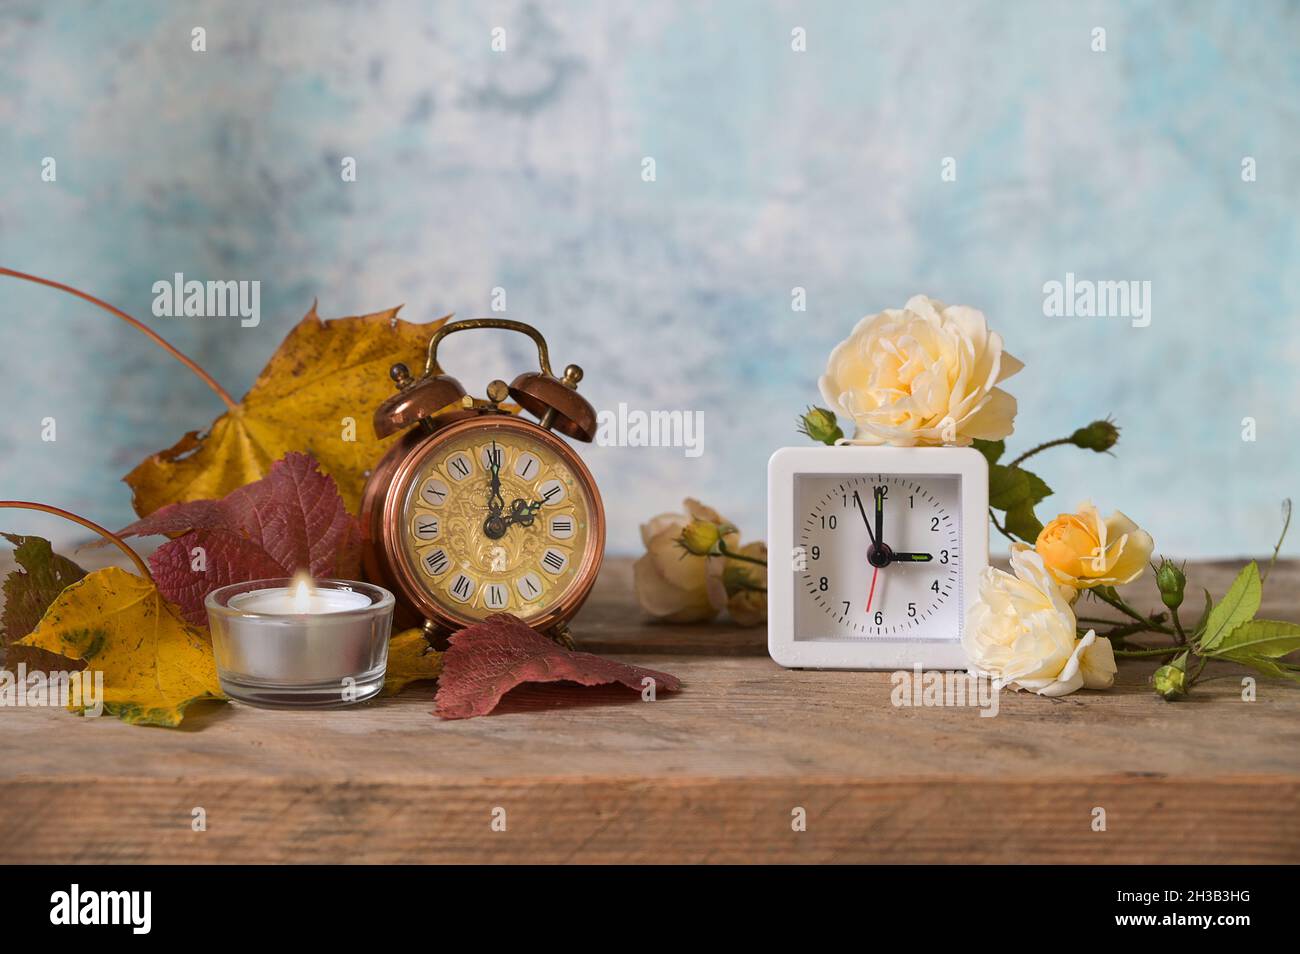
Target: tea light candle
[(295, 643), (301, 598)]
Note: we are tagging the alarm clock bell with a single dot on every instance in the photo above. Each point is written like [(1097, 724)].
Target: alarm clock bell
[(437, 398)]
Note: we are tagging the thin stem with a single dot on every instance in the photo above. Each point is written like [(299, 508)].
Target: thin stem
[(1001, 530), (89, 525), (1286, 524), (1041, 447), (742, 557), (1118, 603), (1167, 651), (1129, 611), (1178, 627), (1128, 629), (137, 325), (1196, 675), (1235, 674)]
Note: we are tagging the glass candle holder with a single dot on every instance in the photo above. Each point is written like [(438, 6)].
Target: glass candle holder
[(280, 645)]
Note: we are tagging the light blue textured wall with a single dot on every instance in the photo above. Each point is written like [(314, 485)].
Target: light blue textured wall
[(775, 169)]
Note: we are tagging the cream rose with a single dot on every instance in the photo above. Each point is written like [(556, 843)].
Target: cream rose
[(1096, 659), (923, 375), (670, 584), (1081, 550), (1021, 632)]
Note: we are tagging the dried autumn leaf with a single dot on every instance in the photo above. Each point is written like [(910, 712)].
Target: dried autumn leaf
[(154, 664), (323, 375), (488, 659), (37, 660), (292, 519), (410, 659), (29, 591)]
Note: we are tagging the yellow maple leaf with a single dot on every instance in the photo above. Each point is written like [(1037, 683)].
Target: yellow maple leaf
[(323, 375), (154, 663), (410, 659)]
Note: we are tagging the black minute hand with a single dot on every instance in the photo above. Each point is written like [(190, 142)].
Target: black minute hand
[(496, 503), (863, 511)]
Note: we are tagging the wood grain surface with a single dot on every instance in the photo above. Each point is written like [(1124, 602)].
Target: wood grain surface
[(715, 773)]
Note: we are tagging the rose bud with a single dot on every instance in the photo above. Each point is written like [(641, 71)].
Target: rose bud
[(1171, 581), (700, 537), (1098, 436), (820, 424), (1171, 680)]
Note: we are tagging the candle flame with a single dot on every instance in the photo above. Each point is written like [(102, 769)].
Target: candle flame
[(301, 593)]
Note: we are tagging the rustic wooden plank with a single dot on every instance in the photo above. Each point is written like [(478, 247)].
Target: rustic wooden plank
[(710, 774), (685, 820), (736, 717)]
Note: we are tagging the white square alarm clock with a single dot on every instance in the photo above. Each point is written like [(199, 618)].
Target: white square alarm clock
[(874, 554)]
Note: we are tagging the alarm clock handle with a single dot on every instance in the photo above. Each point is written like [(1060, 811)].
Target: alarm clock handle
[(555, 402), (432, 367)]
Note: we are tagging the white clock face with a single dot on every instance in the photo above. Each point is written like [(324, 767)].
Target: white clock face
[(883, 557)]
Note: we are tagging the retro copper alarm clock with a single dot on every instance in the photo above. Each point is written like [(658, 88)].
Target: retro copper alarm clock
[(476, 510)]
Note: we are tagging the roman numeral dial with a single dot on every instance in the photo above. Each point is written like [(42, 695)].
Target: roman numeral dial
[(496, 521)]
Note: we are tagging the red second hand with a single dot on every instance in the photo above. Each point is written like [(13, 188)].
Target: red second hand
[(874, 572)]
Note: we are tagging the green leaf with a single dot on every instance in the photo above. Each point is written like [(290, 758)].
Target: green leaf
[(1011, 487), (1015, 491), (1269, 667), (1270, 638), (1021, 521), (1238, 605), (992, 450)]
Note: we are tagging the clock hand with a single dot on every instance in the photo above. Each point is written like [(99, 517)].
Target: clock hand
[(875, 571), (494, 527), (862, 510), (522, 512), (902, 556), (878, 553), (880, 517), (496, 503)]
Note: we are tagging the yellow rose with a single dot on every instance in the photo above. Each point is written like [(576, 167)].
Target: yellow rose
[(1081, 550), (1020, 631), (922, 375), (670, 583)]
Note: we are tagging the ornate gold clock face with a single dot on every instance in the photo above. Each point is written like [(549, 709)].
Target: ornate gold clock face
[(495, 520)]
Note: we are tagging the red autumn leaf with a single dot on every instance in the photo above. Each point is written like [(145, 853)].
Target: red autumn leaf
[(488, 659), (292, 519)]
